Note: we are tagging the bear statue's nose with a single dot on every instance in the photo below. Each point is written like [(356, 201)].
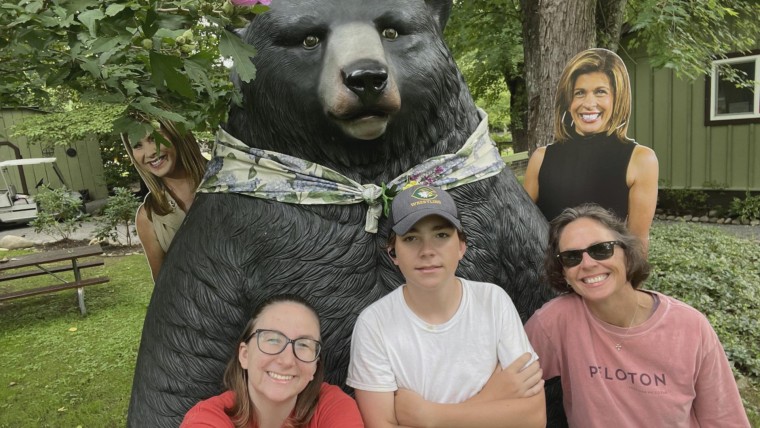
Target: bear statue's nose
[(367, 80)]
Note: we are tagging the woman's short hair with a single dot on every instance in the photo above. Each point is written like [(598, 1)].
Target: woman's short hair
[(636, 266), (591, 61), (243, 413), (189, 158)]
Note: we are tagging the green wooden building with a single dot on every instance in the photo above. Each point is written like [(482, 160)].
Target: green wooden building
[(80, 163), (706, 132)]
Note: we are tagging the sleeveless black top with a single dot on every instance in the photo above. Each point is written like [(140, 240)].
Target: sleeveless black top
[(585, 169)]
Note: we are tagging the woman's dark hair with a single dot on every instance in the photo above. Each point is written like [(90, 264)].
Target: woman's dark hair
[(636, 266), (242, 412)]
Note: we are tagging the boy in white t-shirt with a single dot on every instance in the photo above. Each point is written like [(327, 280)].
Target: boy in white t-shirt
[(425, 352)]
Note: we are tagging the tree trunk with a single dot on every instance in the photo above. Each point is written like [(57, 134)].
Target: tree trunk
[(610, 15), (518, 110), (553, 32)]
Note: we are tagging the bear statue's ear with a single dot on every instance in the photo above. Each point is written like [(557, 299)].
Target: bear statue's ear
[(441, 10)]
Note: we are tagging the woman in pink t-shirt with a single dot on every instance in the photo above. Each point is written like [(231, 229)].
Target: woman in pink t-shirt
[(627, 357), (270, 386)]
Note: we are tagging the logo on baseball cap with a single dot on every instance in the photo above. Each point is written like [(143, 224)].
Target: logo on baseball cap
[(418, 202)]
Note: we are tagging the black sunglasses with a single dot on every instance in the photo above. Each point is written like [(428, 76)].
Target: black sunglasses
[(600, 251)]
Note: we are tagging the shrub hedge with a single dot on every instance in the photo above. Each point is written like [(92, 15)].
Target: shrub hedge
[(719, 275)]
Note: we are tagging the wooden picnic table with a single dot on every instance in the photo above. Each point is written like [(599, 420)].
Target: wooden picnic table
[(43, 266)]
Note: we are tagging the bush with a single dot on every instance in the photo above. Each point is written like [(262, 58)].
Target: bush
[(684, 201), (60, 212), (117, 167), (119, 211), (747, 208), (719, 275)]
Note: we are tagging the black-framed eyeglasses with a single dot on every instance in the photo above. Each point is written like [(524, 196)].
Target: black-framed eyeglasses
[(273, 342), (600, 251)]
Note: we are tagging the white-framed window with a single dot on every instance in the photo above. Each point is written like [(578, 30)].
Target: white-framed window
[(729, 103)]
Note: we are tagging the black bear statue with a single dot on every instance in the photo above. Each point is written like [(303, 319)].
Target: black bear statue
[(363, 92)]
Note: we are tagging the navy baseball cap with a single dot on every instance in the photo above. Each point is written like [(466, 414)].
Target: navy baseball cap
[(418, 202)]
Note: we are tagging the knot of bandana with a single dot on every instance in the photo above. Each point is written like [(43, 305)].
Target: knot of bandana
[(237, 168), (372, 193)]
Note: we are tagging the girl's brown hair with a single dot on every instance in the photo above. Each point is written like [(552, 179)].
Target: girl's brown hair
[(591, 61), (189, 158), (243, 412)]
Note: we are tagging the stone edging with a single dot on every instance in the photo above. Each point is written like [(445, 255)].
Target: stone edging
[(707, 219)]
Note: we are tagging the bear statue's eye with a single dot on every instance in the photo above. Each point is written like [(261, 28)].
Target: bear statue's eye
[(390, 33), (310, 42)]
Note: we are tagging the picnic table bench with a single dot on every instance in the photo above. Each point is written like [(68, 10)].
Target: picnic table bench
[(43, 261)]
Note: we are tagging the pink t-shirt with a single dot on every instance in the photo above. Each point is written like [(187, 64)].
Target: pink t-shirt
[(334, 409), (671, 371)]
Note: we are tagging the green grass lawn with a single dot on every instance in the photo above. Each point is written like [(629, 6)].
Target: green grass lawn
[(60, 369), (64, 370)]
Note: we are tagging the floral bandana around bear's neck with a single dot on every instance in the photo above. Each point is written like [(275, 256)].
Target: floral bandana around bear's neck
[(237, 168)]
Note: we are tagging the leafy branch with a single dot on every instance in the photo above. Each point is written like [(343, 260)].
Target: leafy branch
[(688, 35), (162, 59)]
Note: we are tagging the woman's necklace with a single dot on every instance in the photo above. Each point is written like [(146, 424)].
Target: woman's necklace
[(618, 345), (170, 196)]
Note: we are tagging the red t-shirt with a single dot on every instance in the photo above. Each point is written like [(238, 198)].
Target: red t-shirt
[(334, 409)]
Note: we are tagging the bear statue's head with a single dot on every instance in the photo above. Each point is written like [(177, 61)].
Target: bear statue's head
[(367, 83)]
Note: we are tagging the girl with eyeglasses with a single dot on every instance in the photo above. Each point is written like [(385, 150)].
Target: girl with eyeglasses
[(627, 357), (275, 376)]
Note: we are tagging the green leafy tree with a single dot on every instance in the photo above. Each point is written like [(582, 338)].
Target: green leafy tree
[(118, 212), (164, 59), (486, 39), (118, 170), (60, 212), (688, 35), (70, 122)]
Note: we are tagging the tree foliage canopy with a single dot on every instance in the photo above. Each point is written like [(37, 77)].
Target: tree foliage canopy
[(687, 36), (70, 123), (486, 36), (164, 59)]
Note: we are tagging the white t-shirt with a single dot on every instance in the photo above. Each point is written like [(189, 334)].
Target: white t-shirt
[(393, 348)]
